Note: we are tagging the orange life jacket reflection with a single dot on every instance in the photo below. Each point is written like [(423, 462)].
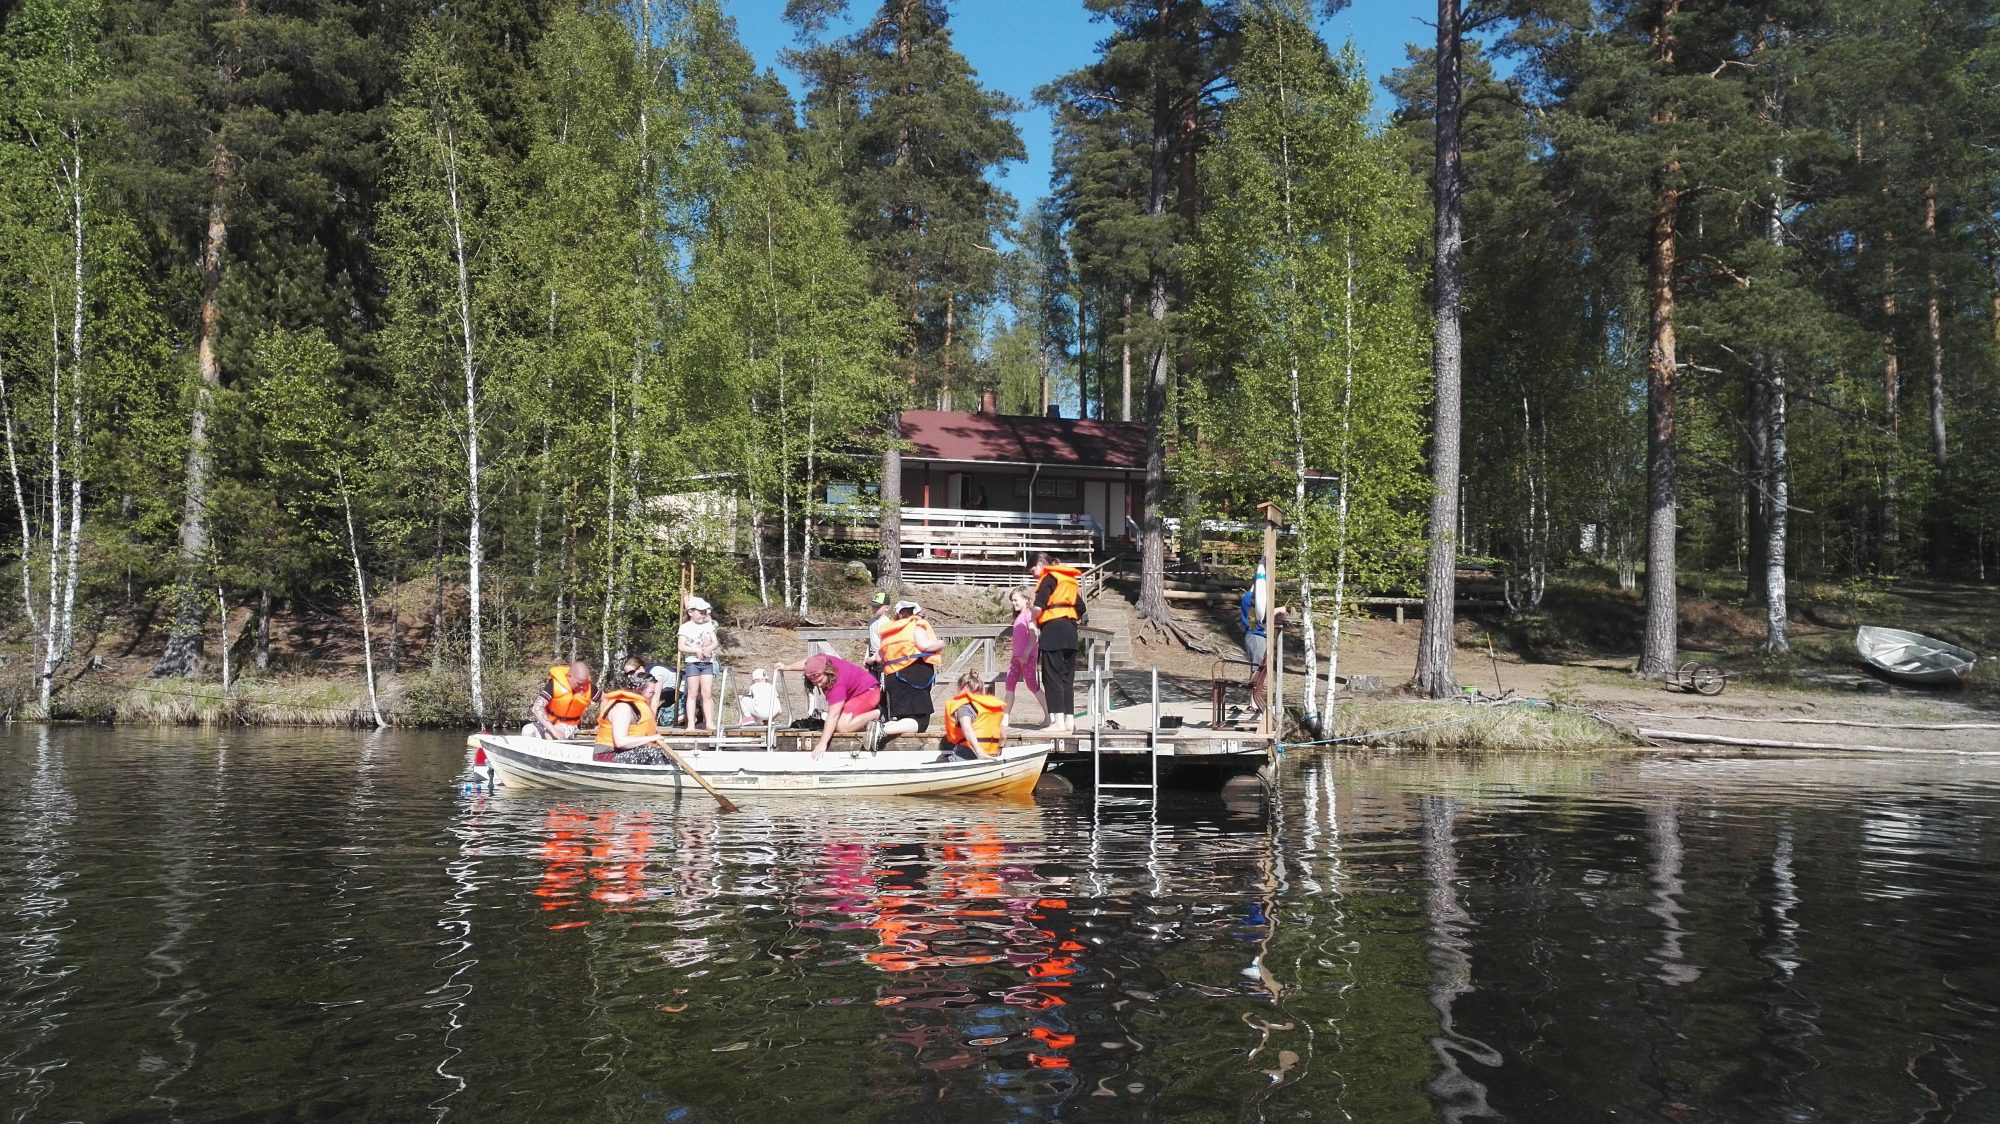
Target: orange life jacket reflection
[(989, 719), (902, 643), (1063, 599), (640, 727), (565, 704)]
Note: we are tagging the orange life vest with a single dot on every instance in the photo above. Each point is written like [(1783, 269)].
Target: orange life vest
[(1063, 599), (566, 705), (989, 720), (901, 645), (640, 727)]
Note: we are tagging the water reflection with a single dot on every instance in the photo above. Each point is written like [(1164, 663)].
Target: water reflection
[(272, 926)]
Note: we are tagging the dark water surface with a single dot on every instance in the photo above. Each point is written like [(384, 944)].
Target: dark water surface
[(283, 925)]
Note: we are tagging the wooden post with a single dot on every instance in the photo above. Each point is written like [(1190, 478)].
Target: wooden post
[(1268, 720)]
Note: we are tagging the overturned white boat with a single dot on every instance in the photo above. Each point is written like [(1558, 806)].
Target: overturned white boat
[(1912, 657), (748, 772)]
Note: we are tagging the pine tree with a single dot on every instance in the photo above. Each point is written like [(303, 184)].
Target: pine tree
[(916, 139), (1167, 61)]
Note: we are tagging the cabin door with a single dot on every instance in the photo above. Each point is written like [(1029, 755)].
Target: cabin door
[(1097, 503)]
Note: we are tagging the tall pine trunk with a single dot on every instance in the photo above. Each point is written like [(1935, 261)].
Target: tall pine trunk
[(1662, 636), (1940, 449), (1152, 535), (182, 657), (1434, 645), (1892, 393)]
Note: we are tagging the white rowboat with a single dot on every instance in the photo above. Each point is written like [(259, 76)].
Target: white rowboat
[(1912, 657), (535, 763)]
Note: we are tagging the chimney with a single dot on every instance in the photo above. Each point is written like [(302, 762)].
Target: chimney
[(988, 402), (1055, 411)]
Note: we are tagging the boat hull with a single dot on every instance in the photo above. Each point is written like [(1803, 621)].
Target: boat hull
[(533, 763), (1912, 657)]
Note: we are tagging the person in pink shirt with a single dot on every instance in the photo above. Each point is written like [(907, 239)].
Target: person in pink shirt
[(1027, 651), (853, 696)]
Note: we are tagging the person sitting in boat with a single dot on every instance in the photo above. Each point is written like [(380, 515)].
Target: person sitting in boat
[(566, 694), (627, 731), (975, 722), (853, 698), (910, 650)]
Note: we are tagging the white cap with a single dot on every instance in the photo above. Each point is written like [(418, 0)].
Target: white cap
[(759, 676), (908, 607), (698, 603)]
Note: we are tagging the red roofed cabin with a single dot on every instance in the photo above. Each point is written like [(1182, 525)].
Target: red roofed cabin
[(983, 491)]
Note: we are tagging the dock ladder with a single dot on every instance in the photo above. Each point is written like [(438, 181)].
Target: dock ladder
[(1152, 783)]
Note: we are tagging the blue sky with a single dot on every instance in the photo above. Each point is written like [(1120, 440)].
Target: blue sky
[(1016, 45)]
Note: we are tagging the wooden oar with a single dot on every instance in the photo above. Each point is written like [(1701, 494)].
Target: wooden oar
[(721, 801)]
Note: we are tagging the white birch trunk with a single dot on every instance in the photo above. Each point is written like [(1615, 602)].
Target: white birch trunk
[(812, 446), (473, 543), (50, 621), (20, 509), (1340, 509), (610, 539), (1777, 633), (361, 598), (66, 633), (222, 622)]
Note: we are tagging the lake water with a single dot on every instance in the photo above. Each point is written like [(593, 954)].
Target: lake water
[(265, 925)]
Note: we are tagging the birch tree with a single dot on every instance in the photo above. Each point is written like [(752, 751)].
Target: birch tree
[(446, 183), (1306, 306)]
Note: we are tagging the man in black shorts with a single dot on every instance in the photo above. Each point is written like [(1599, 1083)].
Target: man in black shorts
[(910, 650)]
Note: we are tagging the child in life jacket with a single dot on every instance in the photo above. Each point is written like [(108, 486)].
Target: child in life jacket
[(975, 722)]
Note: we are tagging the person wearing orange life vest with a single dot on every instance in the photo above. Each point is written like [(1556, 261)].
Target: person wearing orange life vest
[(627, 729), (975, 721), (910, 648), (1059, 612), (566, 694)]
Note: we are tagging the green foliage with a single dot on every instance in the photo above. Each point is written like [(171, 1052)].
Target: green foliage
[(1309, 309)]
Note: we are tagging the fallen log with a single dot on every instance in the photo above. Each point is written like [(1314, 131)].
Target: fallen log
[(1771, 743), (1826, 722)]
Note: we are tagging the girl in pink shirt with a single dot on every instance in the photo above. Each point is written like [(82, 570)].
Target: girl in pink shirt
[(1027, 651)]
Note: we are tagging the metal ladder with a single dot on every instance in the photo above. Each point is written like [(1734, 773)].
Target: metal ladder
[(1097, 785)]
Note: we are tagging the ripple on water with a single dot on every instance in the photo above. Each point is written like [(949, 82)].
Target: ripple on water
[(272, 924)]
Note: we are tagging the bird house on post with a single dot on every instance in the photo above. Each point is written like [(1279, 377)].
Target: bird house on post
[(1267, 609)]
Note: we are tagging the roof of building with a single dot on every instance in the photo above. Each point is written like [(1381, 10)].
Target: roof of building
[(940, 435)]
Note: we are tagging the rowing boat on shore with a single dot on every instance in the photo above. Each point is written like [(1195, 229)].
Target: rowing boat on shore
[(534, 763), (1911, 656)]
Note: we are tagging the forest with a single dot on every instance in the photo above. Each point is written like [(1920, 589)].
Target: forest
[(426, 315)]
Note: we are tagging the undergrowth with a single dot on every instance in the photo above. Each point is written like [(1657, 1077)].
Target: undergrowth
[(1505, 728)]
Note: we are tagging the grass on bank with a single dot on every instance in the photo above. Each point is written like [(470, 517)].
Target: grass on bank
[(1512, 727), (424, 699)]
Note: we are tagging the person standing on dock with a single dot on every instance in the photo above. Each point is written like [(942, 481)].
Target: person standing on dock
[(566, 694), (880, 615), (1255, 644), (1059, 612), (853, 698), (910, 650), (1021, 665), (698, 644)]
